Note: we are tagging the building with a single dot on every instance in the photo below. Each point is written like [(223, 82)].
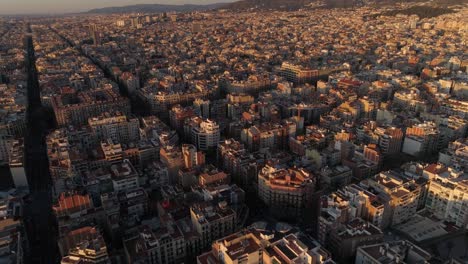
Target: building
[(5, 147), (12, 229), (115, 126), (346, 204), (159, 101), (403, 195), (178, 115), (253, 84), (447, 197), (172, 158), (410, 100), (202, 108), (212, 221), (287, 192), (16, 164), (345, 240), (95, 34), (76, 109), (268, 135), (390, 140), (205, 134), (163, 246), (124, 176), (422, 139), (298, 74), (242, 166), (130, 82), (83, 245), (253, 245), (192, 157), (395, 252)]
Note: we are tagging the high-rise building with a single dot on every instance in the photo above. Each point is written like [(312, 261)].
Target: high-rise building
[(204, 133)]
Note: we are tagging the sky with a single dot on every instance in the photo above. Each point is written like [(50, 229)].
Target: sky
[(12, 7)]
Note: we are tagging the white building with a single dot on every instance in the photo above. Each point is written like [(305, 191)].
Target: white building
[(115, 126), (206, 135), (447, 197), (124, 176), (16, 163)]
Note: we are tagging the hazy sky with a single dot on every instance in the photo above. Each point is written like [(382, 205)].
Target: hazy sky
[(61, 6)]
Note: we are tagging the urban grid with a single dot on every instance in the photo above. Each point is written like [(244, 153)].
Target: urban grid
[(258, 131)]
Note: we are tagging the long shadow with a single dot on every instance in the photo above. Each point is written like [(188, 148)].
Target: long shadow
[(39, 220)]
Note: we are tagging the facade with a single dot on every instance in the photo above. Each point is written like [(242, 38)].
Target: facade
[(192, 157), (268, 135), (16, 164), (422, 139), (161, 247), (390, 140), (403, 195), (124, 176), (212, 221), (297, 74), (346, 204), (115, 126), (447, 197), (345, 240), (76, 109), (177, 116), (204, 134), (287, 192)]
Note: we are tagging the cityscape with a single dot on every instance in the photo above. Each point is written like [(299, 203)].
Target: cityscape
[(256, 131)]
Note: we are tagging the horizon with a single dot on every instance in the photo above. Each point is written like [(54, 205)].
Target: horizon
[(59, 7)]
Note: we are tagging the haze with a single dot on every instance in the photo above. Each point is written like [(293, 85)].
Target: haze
[(9, 7)]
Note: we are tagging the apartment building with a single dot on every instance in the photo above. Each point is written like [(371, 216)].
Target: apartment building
[(395, 252), (115, 126), (287, 192), (447, 197), (77, 108)]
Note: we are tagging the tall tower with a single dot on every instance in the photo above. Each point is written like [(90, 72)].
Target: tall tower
[(95, 34)]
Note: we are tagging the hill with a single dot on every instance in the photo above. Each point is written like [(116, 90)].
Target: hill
[(153, 8), (268, 4), (297, 4)]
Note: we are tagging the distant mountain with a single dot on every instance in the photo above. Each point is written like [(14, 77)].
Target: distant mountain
[(268, 4), (154, 8), (297, 4)]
